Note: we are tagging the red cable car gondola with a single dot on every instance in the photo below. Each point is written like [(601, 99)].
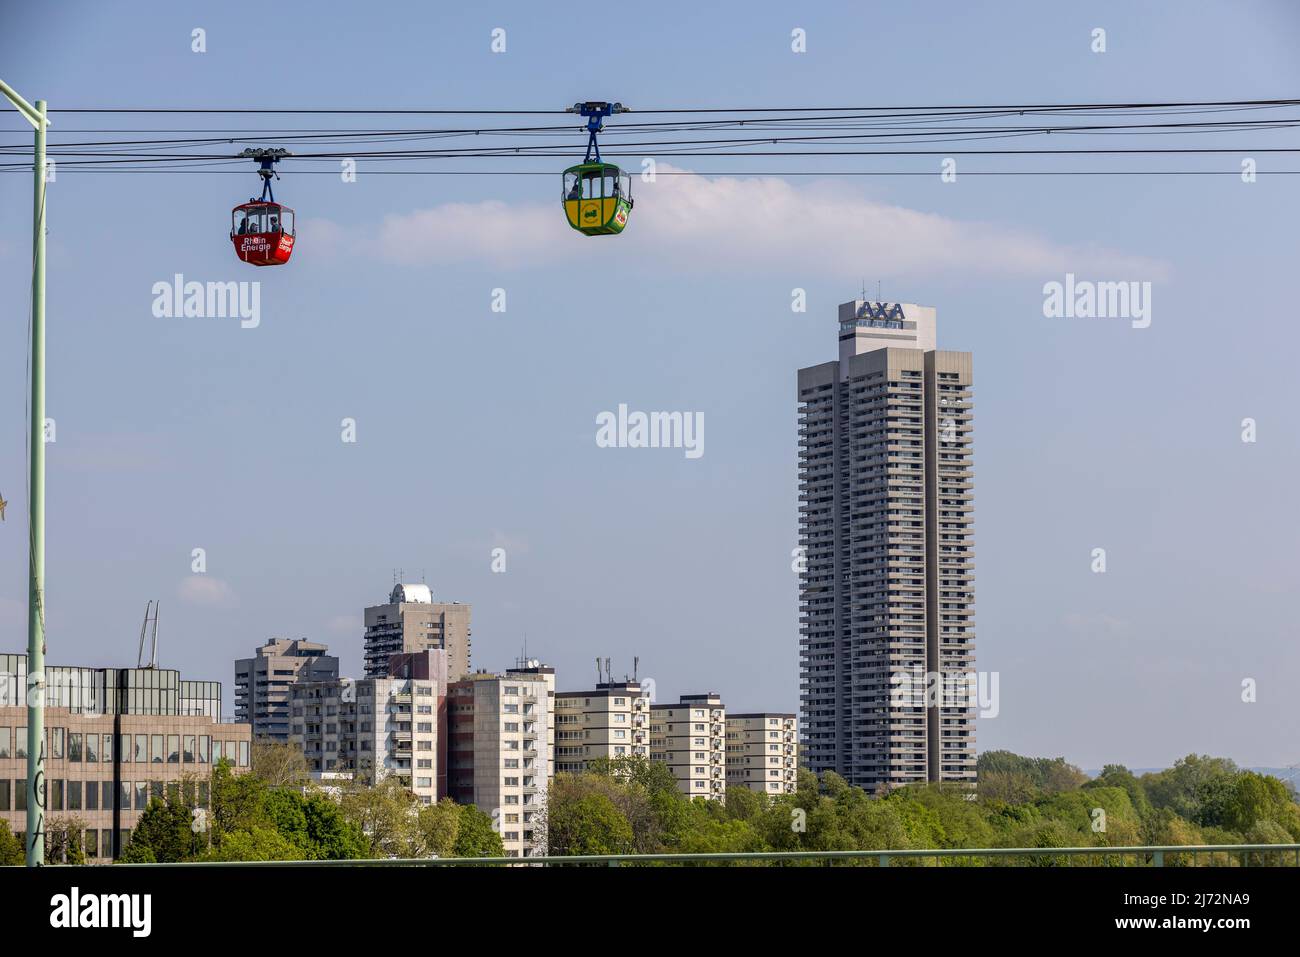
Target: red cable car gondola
[(262, 230)]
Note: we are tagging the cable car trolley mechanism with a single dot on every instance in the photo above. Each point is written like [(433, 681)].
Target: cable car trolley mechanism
[(597, 196), (262, 229)]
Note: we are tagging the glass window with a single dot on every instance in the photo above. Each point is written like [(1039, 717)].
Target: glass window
[(173, 749), (123, 838), (123, 797), (106, 795), (243, 754), (55, 794), (74, 746), (20, 794), (203, 748), (56, 743), (156, 749), (4, 794), (6, 743), (74, 795), (203, 794), (187, 754), (106, 842), (155, 790), (92, 748), (91, 842), (92, 795), (141, 795), (141, 749), (286, 220), (108, 749), (20, 742)]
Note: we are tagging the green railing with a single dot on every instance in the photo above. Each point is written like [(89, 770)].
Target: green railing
[(1222, 855)]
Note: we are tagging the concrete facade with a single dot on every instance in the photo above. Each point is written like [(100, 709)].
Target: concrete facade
[(610, 721), (499, 762), (412, 621), (690, 737), (887, 595), (763, 752), (371, 728), (262, 682)]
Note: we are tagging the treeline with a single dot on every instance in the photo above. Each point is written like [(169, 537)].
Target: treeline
[(633, 806)]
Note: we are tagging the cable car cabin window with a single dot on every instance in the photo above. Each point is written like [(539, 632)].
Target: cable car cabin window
[(286, 220), (572, 186)]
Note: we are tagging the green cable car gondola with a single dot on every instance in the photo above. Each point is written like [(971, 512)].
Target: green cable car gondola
[(597, 196)]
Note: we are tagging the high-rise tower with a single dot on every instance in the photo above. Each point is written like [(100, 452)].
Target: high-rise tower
[(412, 622), (887, 595)]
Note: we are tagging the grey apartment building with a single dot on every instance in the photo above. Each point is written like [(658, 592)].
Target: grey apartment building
[(412, 622), (886, 595), (263, 682)]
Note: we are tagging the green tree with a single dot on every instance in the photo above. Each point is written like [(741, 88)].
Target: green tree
[(332, 837), (256, 844), (164, 834), (1118, 776), (476, 836), (440, 826), (387, 815), (279, 764), (11, 849), (237, 802), (588, 824)]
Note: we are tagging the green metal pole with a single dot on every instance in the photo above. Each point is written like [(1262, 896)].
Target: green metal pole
[(36, 502)]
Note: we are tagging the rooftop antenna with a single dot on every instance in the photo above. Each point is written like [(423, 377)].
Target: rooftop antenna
[(144, 630), (144, 625), (636, 666), (153, 652), (609, 675), (598, 670), (864, 290), (878, 299)]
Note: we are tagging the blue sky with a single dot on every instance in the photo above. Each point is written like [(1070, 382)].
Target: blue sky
[(476, 429)]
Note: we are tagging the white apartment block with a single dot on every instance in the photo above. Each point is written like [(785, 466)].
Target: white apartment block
[(371, 728), (690, 737), (498, 755), (763, 752), (534, 667), (610, 721)]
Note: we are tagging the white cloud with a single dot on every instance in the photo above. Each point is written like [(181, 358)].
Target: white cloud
[(747, 224), (206, 590)]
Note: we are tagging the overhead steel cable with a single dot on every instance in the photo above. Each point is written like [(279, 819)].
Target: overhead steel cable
[(679, 110)]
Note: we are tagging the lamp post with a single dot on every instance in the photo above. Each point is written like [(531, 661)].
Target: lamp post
[(36, 499)]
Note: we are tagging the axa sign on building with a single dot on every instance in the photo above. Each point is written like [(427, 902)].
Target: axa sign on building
[(881, 310)]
